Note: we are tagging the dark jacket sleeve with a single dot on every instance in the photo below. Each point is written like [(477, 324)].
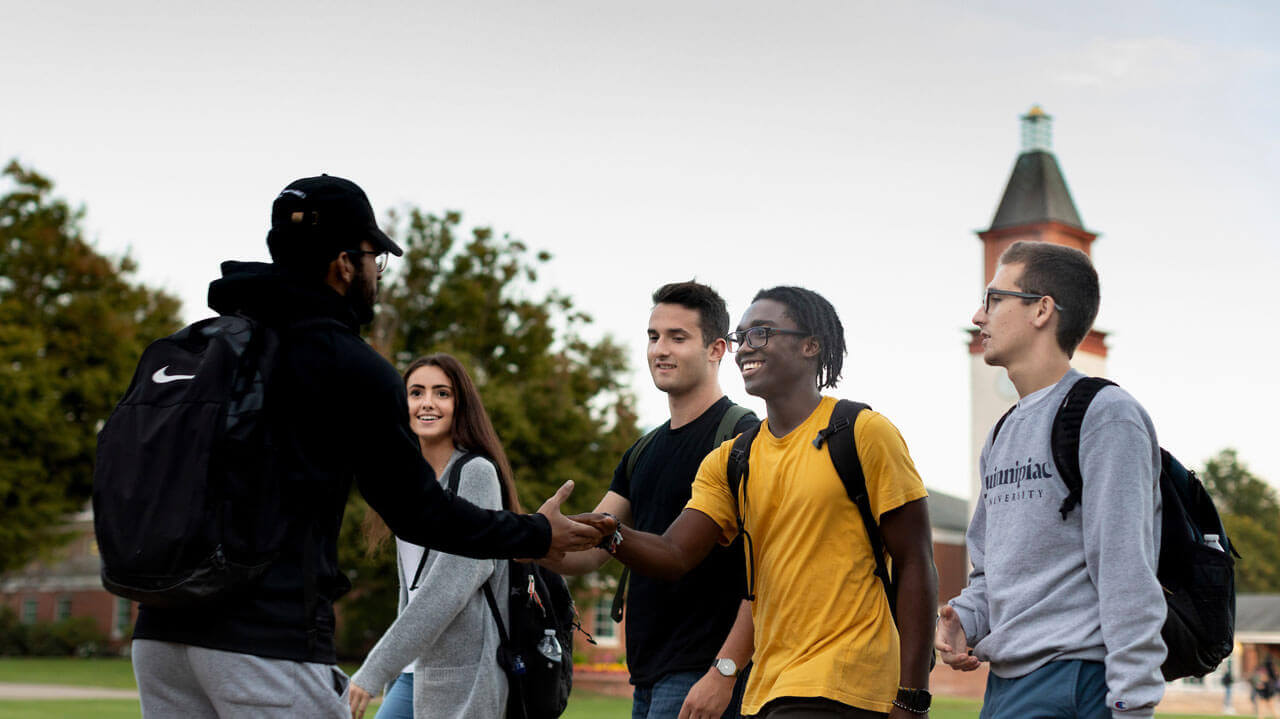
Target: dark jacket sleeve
[(401, 487)]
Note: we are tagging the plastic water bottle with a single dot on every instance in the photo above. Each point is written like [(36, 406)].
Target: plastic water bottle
[(549, 646), (1211, 540)]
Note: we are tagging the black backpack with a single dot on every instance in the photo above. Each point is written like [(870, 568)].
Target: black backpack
[(538, 600), (844, 455), (1198, 580), (186, 507), (724, 433)]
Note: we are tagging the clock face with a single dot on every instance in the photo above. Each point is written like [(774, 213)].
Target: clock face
[(1004, 387)]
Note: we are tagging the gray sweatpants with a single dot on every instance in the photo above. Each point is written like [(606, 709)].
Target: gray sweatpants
[(179, 680)]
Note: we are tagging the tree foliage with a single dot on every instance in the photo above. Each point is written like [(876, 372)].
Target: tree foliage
[(1250, 513), (72, 325), (557, 399)]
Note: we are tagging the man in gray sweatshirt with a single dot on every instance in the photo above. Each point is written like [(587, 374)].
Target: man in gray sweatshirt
[(1067, 611)]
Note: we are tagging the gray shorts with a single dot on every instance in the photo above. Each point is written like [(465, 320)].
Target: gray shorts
[(180, 680)]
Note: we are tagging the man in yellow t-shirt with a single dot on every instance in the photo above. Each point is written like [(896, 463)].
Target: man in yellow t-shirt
[(825, 641)]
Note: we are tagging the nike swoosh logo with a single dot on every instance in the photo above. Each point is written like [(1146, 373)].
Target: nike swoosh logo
[(163, 377)]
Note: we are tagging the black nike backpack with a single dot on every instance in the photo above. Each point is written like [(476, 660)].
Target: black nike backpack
[(1198, 579), (186, 505)]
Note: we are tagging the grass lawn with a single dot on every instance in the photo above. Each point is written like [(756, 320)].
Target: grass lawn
[(109, 673), (66, 708)]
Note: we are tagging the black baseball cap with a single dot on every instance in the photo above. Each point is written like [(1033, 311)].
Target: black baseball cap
[(329, 211)]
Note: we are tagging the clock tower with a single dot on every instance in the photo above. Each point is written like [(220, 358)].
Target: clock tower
[(1036, 206)]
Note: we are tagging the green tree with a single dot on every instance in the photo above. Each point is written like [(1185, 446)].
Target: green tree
[(1250, 513), (557, 399), (72, 325)]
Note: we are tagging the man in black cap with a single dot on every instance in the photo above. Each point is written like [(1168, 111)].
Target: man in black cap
[(337, 415)]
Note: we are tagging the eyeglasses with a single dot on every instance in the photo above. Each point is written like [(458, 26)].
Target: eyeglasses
[(381, 257), (986, 299), (757, 337)]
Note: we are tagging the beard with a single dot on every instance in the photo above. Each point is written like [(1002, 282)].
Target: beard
[(362, 295)]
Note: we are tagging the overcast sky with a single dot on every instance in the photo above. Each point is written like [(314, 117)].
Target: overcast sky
[(850, 147)]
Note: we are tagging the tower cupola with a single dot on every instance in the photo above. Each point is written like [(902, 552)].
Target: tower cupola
[(1037, 130)]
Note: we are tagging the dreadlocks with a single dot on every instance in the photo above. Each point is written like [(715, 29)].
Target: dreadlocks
[(815, 315)]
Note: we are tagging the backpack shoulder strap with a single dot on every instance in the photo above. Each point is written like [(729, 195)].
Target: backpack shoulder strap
[(454, 477), (730, 420), (738, 458), (739, 466), (1065, 437), (737, 472), (497, 616), (844, 455), (638, 449), (1000, 422), (455, 471)]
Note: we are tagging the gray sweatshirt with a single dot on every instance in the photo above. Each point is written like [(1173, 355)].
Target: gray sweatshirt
[(448, 631), (1044, 588)]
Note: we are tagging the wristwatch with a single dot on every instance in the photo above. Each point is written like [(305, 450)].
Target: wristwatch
[(916, 701), (726, 666), (610, 543)]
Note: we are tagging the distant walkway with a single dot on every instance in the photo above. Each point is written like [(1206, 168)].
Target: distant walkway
[(56, 691)]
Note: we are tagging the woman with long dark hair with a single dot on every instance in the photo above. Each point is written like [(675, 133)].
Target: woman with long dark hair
[(443, 645)]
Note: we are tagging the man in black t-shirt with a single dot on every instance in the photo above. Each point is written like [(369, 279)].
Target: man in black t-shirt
[(686, 640)]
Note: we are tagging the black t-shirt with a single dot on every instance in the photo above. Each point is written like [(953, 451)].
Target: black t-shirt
[(678, 626)]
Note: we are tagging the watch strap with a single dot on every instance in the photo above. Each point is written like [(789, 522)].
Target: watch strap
[(916, 701)]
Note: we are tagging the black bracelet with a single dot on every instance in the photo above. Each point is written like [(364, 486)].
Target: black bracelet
[(900, 705), (611, 542)]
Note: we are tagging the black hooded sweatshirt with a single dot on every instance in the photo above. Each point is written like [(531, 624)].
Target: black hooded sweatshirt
[(339, 414)]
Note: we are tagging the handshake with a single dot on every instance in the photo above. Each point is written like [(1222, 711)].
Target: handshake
[(575, 533)]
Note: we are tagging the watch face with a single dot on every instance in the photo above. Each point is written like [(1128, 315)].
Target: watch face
[(726, 666)]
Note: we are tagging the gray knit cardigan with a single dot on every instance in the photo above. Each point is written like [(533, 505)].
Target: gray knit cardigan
[(448, 631)]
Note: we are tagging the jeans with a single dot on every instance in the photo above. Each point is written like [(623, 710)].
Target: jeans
[(398, 703), (1070, 689), (664, 699)]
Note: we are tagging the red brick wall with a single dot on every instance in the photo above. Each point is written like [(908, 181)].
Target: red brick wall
[(953, 569), (98, 604), (995, 242), (945, 681)]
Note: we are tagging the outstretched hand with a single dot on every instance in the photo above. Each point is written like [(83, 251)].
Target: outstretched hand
[(567, 535), (604, 524), (359, 700), (951, 643)]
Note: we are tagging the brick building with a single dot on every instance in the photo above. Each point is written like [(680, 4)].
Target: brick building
[(67, 584)]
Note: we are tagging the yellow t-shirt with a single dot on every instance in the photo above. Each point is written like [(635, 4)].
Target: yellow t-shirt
[(822, 622)]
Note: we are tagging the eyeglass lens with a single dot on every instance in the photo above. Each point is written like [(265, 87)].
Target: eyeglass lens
[(755, 338)]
